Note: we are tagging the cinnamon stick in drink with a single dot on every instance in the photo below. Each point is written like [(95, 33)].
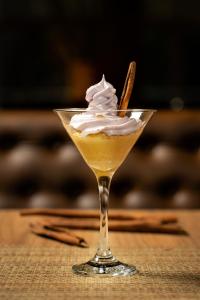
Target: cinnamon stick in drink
[(128, 87)]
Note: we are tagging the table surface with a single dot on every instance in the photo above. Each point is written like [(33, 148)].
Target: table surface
[(33, 267)]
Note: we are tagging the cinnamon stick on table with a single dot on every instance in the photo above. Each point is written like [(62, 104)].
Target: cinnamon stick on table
[(113, 215), (58, 228), (114, 225), (59, 234)]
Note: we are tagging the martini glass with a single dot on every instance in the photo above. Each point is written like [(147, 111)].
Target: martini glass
[(104, 154)]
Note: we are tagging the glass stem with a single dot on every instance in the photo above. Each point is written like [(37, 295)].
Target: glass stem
[(103, 250)]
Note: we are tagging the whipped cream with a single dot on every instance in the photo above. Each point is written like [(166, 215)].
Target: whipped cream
[(101, 97), (101, 114)]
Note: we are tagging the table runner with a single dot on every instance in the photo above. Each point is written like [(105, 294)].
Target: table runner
[(45, 273)]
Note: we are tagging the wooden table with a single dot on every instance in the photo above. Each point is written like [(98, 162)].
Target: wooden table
[(32, 267)]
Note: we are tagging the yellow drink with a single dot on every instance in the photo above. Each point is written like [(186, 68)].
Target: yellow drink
[(103, 153)]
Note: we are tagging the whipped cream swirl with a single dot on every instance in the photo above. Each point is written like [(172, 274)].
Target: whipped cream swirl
[(101, 114), (101, 97)]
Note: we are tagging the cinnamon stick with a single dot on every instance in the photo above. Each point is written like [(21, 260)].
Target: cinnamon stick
[(113, 215), (114, 225), (128, 87), (59, 234), (58, 228)]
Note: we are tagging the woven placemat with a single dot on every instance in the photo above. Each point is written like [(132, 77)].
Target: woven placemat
[(45, 273)]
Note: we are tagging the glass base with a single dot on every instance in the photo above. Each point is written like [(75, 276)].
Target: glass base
[(104, 267)]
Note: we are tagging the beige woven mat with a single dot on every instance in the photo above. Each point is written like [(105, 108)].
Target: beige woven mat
[(45, 273)]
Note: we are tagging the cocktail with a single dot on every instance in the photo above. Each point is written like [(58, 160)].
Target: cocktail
[(104, 135)]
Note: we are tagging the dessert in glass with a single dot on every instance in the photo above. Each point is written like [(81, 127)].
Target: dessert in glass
[(104, 135)]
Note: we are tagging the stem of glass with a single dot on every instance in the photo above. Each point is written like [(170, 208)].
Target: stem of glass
[(103, 250)]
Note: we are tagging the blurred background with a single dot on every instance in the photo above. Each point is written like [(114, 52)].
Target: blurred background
[(51, 52)]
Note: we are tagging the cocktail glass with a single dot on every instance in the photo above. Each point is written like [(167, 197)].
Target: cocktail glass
[(104, 154)]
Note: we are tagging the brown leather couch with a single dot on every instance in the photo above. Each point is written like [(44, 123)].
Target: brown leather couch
[(39, 166)]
